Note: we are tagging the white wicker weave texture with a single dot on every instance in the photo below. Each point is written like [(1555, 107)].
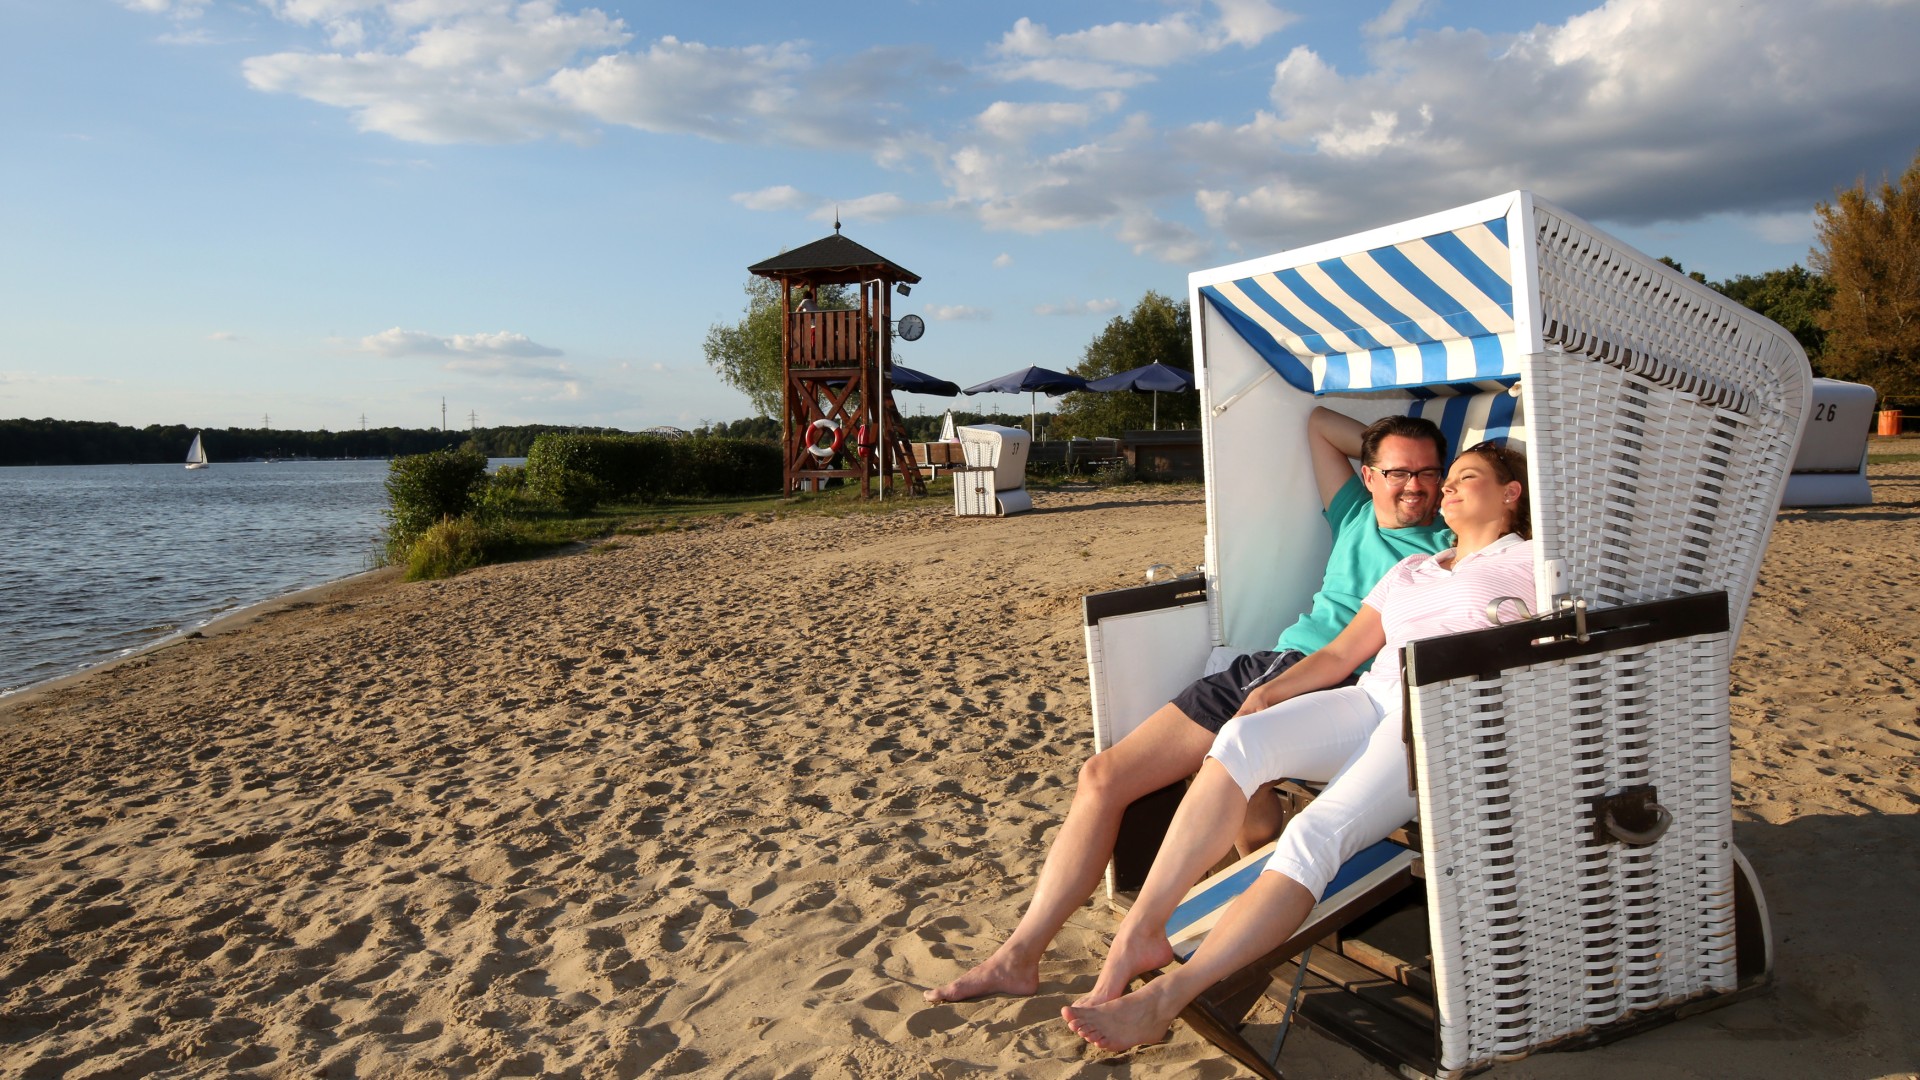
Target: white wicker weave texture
[(1665, 428), (1540, 929), (1663, 425)]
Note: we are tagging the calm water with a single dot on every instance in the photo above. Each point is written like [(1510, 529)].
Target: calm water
[(106, 558)]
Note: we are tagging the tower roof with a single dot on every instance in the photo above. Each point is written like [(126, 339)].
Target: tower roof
[(833, 260)]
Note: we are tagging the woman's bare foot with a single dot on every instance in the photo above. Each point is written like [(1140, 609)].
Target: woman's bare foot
[(1134, 1020), (1002, 973), (1133, 954)]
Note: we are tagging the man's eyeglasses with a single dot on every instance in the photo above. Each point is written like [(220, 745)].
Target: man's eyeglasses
[(1400, 477)]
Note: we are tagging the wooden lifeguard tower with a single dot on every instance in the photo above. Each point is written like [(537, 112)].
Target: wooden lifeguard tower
[(840, 419)]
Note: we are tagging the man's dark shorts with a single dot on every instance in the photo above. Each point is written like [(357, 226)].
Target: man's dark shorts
[(1212, 700)]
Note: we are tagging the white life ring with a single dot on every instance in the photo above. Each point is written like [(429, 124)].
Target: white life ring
[(824, 453)]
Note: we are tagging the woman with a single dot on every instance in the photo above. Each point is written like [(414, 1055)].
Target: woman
[(1295, 727)]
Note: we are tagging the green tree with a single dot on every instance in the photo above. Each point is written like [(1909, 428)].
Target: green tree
[(1868, 246), (1794, 298), (1694, 274), (1158, 328), (746, 354)]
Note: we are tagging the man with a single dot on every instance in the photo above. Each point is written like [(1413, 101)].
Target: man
[(1378, 518)]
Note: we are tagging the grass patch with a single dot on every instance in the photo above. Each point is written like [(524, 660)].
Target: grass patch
[(511, 524), (446, 548), (533, 529), (1887, 458)]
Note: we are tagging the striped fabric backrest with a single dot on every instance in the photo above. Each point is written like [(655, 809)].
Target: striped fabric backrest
[(1426, 311), (1469, 419)]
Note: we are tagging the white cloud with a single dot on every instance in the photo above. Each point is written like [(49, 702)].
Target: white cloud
[(1249, 22), (1019, 122), (1002, 261), (176, 8), (1632, 112), (467, 73), (224, 335), (478, 348), (1796, 227), (1114, 55), (1114, 180), (685, 87), (883, 206), (957, 313), (195, 36), (778, 197), (880, 206), (758, 93), (1073, 74), (1085, 184), (1079, 307), (1395, 19), (1166, 241), (442, 71), (310, 12), (1636, 111)]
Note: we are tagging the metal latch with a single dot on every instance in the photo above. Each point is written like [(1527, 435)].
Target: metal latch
[(1579, 610)]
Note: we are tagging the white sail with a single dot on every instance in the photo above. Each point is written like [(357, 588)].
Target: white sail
[(196, 454)]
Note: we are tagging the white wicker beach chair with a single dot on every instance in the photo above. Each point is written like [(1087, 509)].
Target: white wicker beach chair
[(1578, 877)]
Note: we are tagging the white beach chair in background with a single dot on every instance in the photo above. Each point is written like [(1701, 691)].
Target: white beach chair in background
[(1831, 466), (1578, 879)]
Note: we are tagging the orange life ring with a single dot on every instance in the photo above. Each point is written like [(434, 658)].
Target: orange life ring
[(824, 453)]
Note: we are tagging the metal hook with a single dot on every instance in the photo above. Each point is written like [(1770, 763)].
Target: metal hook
[(1493, 608)]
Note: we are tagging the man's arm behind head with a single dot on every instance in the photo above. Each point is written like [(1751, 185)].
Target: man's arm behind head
[(1333, 442)]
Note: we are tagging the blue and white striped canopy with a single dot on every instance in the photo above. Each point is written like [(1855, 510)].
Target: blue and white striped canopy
[(1415, 315)]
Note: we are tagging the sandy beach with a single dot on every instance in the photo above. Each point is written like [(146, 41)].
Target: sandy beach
[(724, 801)]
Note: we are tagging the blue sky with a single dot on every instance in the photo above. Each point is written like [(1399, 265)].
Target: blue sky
[(219, 212)]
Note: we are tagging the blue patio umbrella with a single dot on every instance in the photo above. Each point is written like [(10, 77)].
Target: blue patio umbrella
[(909, 381), (1032, 380), (1154, 379)]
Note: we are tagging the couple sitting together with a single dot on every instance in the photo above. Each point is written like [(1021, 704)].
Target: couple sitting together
[(1295, 713)]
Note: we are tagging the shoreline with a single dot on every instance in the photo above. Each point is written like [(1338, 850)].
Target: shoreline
[(220, 623)]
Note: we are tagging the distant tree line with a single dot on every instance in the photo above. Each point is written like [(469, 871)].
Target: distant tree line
[(87, 442)]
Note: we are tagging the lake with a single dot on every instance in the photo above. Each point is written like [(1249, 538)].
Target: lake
[(107, 559)]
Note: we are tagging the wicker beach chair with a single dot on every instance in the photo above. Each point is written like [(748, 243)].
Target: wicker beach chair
[(1576, 878)]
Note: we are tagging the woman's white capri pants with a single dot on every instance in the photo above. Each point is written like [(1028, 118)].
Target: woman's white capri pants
[(1343, 737)]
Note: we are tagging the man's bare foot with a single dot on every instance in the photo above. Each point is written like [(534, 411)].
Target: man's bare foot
[(1001, 973), (1121, 1024), (1132, 955)]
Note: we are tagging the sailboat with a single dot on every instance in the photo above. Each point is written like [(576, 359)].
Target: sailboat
[(196, 454)]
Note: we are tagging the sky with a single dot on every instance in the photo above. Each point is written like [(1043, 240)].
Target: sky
[(334, 213)]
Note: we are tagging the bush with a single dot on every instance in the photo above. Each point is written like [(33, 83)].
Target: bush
[(577, 472), (424, 489), (504, 495), (446, 548)]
